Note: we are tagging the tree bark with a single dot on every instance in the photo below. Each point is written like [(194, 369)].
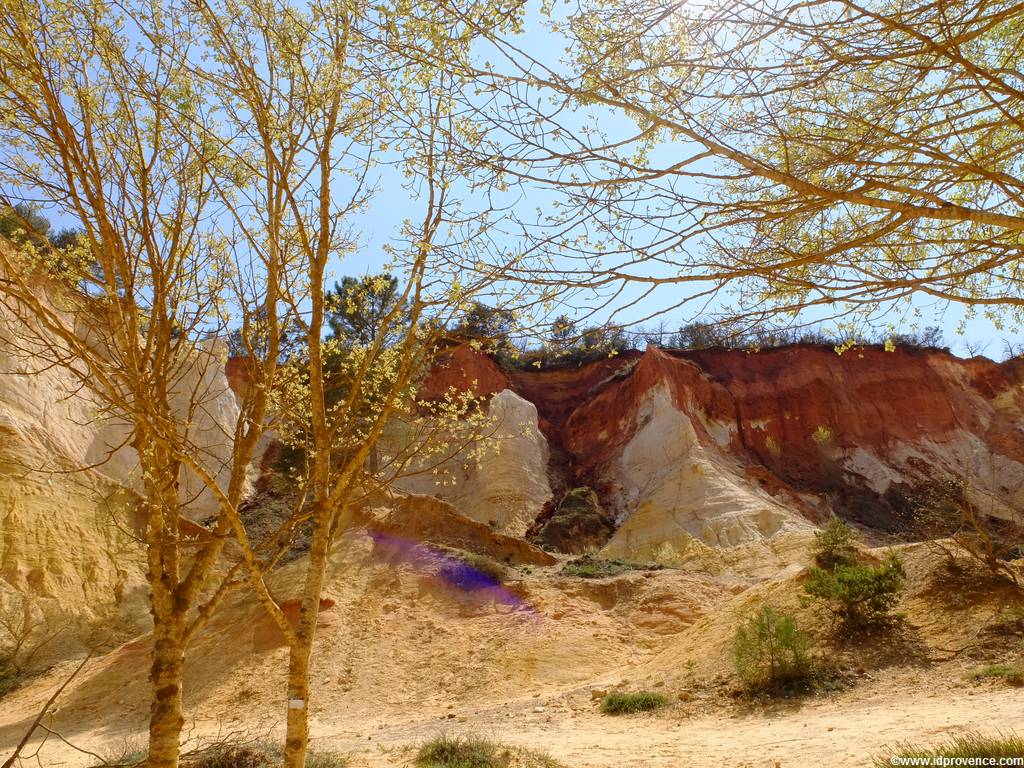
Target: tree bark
[(165, 714), (297, 735)]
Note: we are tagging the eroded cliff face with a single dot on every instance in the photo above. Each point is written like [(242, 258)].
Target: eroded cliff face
[(723, 448), (708, 451), (70, 533), (502, 479), (67, 542)]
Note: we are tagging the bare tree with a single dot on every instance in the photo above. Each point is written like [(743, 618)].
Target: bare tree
[(319, 94), (101, 122), (834, 154), (24, 632)]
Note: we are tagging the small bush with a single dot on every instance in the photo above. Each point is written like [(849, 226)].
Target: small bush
[(824, 436), (631, 703), (232, 756), (132, 752), (1014, 675), (589, 567), (24, 632), (858, 595), (326, 760), (769, 652), (477, 752), (963, 746), (460, 752), (835, 544), (468, 570), (256, 754)]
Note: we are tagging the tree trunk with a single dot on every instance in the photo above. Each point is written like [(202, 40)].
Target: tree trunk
[(169, 611), (297, 736), (165, 714)]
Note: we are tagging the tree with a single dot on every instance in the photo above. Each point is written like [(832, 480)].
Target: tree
[(22, 223), (838, 154), (485, 323), (769, 651), (358, 307), (345, 80), (107, 132), (858, 595), (562, 334)]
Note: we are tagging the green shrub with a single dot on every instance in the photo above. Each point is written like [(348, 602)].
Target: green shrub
[(457, 561), (769, 652), (256, 754), (835, 544), (477, 752), (1012, 674), (963, 746), (858, 595), (326, 760), (589, 567), (460, 752), (631, 703)]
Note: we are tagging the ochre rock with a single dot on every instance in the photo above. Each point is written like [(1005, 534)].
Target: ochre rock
[(725, 447), (502, 479), (72, 538), (463, 369)]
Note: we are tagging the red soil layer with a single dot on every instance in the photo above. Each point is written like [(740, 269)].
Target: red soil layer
[(239, 374), (464, 369), (774, 402), (771, 404), (865, 398), (560, 390)]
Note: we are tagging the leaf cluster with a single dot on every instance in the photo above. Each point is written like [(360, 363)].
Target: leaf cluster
[(859, 596), (769, 652)]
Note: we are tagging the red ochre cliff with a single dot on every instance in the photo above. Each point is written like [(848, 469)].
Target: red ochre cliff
[(727, 446)]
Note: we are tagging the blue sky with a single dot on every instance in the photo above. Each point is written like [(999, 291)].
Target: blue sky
[(393, 203)]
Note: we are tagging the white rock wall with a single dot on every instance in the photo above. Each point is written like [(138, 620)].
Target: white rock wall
[(671, 490), (507, 486)]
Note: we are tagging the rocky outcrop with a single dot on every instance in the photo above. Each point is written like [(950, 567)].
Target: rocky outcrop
[(463, 369), (416, 518), (71, 538), (858, 426), (578, 524), (501, 477), (51, 419), (724, 447)]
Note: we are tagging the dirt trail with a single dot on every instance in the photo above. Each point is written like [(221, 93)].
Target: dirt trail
[(837, 733), (827, 733)]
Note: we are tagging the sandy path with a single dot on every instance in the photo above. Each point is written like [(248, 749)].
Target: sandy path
[(837, 732), (828, 733)]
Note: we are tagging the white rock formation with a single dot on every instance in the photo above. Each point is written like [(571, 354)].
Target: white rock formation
[(70, 535), (63, 426), (674, 490), (507, 484)]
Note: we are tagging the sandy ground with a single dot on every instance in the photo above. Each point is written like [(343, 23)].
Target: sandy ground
[(823, 734), (834, 732), (402, 658)]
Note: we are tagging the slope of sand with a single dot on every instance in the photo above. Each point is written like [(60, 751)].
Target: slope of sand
[(402, 656)]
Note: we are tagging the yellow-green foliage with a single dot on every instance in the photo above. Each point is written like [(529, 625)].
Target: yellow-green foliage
[(769, 652), (835, 544), (824, 436), (859, 595)]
